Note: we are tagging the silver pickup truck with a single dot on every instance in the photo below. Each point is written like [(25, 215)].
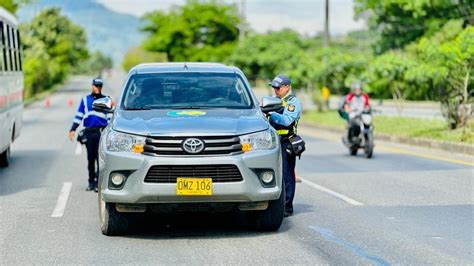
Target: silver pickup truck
[(189, 136)]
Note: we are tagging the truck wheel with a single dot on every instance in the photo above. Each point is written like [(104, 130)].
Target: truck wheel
[(5, 158), (112, 223), (270, 219)]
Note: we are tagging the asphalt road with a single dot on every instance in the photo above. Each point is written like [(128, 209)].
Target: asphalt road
[(404, 206)]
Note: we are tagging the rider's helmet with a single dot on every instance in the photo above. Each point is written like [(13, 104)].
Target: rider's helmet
[(357, 87)]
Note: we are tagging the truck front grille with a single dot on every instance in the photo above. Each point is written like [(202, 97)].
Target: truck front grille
[(169, 173), (227, 145)]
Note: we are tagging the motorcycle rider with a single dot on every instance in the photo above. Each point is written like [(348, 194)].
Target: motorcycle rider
[(356, 102)]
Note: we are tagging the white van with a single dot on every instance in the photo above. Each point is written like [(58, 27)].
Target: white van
[(11, 84)]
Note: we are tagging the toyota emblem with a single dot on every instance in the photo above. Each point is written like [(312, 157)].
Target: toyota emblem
[(193, 145)]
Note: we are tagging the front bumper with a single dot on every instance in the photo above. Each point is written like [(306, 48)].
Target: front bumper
[(136, 191)]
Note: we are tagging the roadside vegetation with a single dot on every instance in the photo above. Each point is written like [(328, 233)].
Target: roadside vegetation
[(52, 45), (53, 48)]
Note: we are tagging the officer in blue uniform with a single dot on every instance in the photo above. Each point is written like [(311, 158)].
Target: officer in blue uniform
[(94, 123), (286, 122)]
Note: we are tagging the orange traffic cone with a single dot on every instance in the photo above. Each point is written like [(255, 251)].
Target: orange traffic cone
[(70, 102)]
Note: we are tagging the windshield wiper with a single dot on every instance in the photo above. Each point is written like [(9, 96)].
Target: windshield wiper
[(188, 107), (137, 108)]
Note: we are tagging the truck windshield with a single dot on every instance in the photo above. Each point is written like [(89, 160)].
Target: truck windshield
[(186, 90)]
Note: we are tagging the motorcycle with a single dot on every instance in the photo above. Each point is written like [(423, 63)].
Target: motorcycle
[(360, 133)]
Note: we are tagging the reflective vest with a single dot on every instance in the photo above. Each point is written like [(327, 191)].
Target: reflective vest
[(286, 131), (86, 114)]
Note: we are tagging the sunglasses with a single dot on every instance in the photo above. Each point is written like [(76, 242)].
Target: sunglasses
[(276, 88)]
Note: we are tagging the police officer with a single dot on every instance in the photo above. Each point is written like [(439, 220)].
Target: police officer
[(286, 122), (94, 122)]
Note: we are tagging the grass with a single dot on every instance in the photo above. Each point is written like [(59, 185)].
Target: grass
[(434, 129)]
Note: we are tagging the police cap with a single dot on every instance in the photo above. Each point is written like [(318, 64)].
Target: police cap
[(280, 80), (97, 82)]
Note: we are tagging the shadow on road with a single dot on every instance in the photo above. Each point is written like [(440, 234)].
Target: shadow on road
[(28, 169), (195, 225)]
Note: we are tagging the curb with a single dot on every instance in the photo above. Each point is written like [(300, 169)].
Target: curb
[(427, 143)]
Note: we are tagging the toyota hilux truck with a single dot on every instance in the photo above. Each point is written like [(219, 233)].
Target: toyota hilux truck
[(189, 136)]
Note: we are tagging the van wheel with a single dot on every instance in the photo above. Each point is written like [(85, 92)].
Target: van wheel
[(5, 158), (270, 219), (112, 223)]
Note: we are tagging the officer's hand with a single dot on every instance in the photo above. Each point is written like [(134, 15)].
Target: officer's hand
[(71, 135)]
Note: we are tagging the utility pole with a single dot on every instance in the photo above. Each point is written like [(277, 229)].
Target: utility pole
[(326, 26), (242, 21)]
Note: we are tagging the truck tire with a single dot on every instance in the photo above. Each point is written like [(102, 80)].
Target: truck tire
[(5, 158), (112, 222), (270, 219)]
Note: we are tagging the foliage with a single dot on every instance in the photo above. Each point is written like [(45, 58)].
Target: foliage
[(337, 68), (400, 22), (265, 55), (303, 59), (197, 31), (138, 55), (13, 5), (52, 45), (95, 65), (451, 53), (385, 76)]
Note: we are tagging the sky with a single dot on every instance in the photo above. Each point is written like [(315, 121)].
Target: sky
[(304, 16)]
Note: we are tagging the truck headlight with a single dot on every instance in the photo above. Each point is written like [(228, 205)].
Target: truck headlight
[(118, 141), (263, 140)]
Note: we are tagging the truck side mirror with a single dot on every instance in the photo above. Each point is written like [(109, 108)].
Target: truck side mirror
[(103, 105), (271, 104)]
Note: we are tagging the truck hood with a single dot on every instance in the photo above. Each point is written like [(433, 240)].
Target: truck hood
[(212, 122)]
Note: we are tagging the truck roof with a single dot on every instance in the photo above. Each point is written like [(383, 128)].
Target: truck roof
[(149, 68)]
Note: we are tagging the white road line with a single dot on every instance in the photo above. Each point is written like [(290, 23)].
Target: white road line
[(62, 200), (332, 193), (78, 150)]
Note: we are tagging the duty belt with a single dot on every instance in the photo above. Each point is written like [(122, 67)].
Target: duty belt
[(94, 129)]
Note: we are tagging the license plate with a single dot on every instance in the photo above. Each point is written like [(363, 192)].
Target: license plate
[(193, 186)]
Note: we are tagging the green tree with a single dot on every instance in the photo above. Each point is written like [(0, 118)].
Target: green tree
[(385, 75), (13, 5), (400, 22), (451, 53), (138, 55), (266, 55), (337, 68), (52, 46), (197, 31)]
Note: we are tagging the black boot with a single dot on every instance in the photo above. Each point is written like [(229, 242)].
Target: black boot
[(288, 210), (90, 187)]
